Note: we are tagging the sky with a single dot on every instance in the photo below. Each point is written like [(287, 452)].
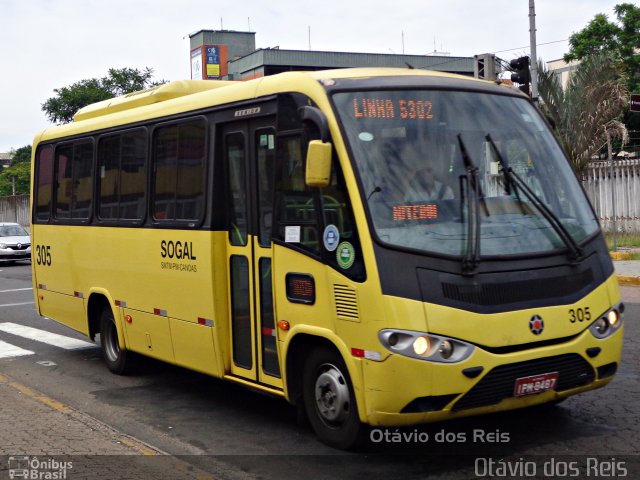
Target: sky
[(49, 44)]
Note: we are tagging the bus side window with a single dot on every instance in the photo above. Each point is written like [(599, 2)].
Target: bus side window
[(73, 167), (265, 156), (295, 203), (82, 181), (62, 168), (121, 176), (235, 153), (44, 180), (337, 212), (179, 155)]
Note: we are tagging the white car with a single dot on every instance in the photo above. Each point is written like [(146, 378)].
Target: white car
[(15, 242)]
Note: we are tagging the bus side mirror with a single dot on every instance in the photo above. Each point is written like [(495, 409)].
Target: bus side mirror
[(318, 168)]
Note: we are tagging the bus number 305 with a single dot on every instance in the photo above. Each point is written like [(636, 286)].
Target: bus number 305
[(43, 255), (579, 315)]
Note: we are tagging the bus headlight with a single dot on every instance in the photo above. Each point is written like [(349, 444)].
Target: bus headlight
[(446, 349), (420, 345), (608, 323)]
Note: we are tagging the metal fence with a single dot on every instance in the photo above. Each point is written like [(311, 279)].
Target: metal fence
[(618, 186)]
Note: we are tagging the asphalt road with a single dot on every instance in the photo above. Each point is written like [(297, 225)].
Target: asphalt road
[(237, 433)]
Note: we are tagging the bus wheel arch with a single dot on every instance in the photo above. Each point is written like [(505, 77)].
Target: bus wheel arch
[(102, 321), (96, 303), (319, 380)]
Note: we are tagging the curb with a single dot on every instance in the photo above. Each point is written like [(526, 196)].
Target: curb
[(622, 255), (628, 281)]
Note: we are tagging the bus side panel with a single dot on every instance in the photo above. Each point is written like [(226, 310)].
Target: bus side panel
[(54, 294), (54, 252), (64, 309), (148, 334), (193, 347), (319, 313)]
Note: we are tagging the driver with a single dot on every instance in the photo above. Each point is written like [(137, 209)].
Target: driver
[(424, 186)]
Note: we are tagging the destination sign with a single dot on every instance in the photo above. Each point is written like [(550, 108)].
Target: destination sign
[(415, 212), (388, 108)]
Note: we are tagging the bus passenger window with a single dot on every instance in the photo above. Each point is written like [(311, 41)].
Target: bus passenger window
[(62, 167), (121, 167), (179, 171), (44, 173), (82, 180), (73, 168)]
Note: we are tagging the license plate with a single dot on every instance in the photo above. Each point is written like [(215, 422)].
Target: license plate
[(535, 384)]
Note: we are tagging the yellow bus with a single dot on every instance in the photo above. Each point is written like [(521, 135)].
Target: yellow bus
[(379, 247)]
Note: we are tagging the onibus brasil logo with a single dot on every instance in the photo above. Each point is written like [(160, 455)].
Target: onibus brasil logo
[(36, 469)]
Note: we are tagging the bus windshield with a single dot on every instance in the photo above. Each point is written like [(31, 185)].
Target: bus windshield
[(438, 166)]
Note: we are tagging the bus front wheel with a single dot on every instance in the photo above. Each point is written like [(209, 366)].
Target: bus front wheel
[(114, 356), (329, 400)]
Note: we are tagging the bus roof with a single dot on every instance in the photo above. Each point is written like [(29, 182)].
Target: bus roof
[(185, 95), (160, 93)]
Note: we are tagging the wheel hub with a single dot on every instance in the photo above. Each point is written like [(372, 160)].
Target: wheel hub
[(332, 395)]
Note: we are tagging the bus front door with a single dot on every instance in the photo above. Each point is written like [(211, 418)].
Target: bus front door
[(249, 156)]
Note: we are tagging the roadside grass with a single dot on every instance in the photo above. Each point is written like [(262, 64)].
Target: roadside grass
[(626, 244)]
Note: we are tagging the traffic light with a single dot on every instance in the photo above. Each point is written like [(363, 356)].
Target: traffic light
[(521, 73)]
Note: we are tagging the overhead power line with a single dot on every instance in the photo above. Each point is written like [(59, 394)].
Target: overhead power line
[(529, 46)]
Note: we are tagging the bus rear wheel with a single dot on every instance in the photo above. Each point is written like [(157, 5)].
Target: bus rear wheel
[(329, 400), (114, 356)]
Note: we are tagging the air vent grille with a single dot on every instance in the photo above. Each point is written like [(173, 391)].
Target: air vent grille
[(346, 300)]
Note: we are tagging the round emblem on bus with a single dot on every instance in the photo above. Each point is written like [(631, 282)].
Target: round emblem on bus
[(536, 325)]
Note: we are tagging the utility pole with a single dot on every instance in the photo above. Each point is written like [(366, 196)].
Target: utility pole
[(613, 193), (534, 55)]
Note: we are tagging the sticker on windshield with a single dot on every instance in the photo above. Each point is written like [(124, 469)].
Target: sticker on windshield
[(345, 255), (331, 237), (365, 136), (292, 234)]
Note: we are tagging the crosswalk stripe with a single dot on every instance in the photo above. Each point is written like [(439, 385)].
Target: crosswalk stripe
[(16, 304), (7, 350), (43, 336)]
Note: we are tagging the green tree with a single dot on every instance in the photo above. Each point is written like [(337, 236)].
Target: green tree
[(22, 154), (620, 39), (589, 107), (68, 100), (20, 173)]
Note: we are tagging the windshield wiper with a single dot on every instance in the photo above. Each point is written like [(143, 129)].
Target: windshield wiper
[(512, 178), (475, 198)]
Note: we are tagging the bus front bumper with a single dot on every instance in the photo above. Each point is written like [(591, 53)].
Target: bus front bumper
[(405, 391)]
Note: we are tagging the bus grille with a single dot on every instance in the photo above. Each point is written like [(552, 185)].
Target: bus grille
[(346, 303), (489, 294), (573, 371)]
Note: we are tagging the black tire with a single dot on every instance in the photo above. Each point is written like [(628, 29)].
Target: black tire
[(329, 400), (114, 356)]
